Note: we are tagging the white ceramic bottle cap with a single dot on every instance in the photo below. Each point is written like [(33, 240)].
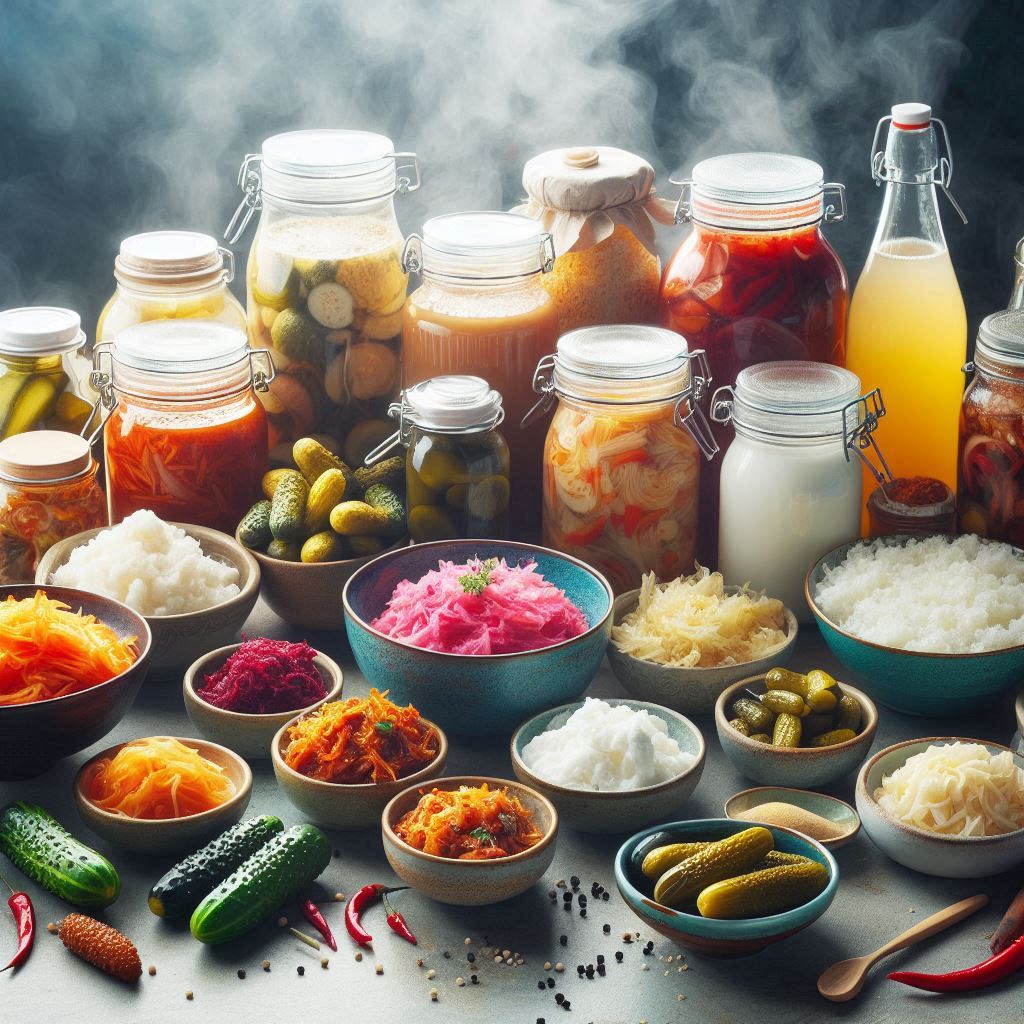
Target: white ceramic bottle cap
[(453, 403), (911, 115), (180, 255), (40, 330), (38, 456)]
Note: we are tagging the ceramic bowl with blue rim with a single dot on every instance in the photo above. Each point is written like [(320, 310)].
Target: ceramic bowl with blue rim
[(713, 937), (914, 682), (469, 694)]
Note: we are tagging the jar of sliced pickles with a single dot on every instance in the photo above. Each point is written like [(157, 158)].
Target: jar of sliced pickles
[(44, 377), (457, 461), (48, 491), (170, 275), (324, 284), (623, 452)]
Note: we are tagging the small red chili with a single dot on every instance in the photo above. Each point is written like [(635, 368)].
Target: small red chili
[(397, 923), (365, 897), (988, 972), (311, 912), (25, 921)]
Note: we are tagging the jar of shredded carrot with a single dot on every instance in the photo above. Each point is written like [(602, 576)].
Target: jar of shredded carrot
[(48, 491)]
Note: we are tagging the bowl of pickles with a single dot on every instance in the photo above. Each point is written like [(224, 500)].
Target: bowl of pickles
[(803, 730), (725, 888)]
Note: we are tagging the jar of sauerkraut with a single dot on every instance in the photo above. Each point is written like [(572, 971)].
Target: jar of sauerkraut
[(599, 205), (325, 285), (622, 456)]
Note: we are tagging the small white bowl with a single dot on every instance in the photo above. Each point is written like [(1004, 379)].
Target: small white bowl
[(927, 852)]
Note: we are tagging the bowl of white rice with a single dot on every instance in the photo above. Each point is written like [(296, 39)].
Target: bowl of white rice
[(930, 626), (194, 586)]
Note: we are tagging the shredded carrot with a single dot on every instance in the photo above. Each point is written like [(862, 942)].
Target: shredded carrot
[(47, 651), (359, 740), (158, 777), (469, 823)]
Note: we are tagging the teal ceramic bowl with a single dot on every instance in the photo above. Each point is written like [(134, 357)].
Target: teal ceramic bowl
[(608, 811), (934, 685), (706, 935), (476, 694)]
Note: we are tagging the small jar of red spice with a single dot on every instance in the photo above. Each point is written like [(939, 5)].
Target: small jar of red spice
[(918, 506)]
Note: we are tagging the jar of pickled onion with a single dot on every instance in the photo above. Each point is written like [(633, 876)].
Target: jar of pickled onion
[(623, 452), (186, 435), (48, 491), (755, 280)]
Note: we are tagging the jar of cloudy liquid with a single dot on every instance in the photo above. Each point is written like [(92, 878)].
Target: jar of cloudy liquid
[(791, 479)]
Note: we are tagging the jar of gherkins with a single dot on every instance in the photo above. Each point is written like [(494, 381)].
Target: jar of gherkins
[(456, 463)]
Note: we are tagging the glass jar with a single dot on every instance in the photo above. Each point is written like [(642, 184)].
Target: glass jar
[(325, 285), (48, 491), (599, 205), (916, 506), (44, 377), (170, 275), (1017, 295), (186, 435), (622, 457), (755, 280), (457, 461), (481, 309), (990, 465), (790, 490)]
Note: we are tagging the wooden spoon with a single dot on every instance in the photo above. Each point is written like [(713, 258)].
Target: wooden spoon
[(843, 981)]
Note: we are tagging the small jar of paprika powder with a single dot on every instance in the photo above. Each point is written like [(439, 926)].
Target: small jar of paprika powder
[(918, 506)]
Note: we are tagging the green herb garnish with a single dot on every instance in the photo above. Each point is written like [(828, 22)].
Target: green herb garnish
[(385, 726), (482, 835), (475, 581)]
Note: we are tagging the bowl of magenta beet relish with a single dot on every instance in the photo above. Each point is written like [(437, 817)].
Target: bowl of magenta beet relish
[(239, 696)]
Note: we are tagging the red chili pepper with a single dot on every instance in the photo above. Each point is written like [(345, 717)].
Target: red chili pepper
[(311, 912), (365, 897), (988, 972), (25, 920), (396, 922)]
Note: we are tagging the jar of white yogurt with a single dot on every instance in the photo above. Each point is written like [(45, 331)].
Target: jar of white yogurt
[(791, 484)]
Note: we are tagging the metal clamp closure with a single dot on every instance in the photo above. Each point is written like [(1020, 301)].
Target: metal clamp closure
[(406, 162), (683, 209), (543, 385), (694, 419), (250, 181), (860, 419), (547, 253), (261, 378), (412, 254), (228, 259), (831, 215)]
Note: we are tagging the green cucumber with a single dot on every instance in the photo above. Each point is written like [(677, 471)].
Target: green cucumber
[(44, 850), (254, 529), (271, 876), (288, 509), (384, 498), (182, 889)]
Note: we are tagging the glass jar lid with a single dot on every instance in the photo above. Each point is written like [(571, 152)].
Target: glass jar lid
[(44, 456), (452, 404), (31, 331), (180, 346), (172, 257), (1001, 337)]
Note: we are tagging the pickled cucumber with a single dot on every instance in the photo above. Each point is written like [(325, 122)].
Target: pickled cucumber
[(786, 732), (834, 736), (781, 701), (818, 695), (430, 522), (36, 401), (660, 859), (754, 713), (819, 679), (761, 737), (740, 726), (763, 892), (785, 679), (488, 498), (848, 712)]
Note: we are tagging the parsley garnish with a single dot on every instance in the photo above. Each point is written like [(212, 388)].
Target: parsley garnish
[(385, 726), (483, 836), (475, 581)]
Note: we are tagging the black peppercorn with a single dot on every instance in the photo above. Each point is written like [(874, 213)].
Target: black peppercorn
[(301, 970), (563, 940), (618, 956), (559, 998), (551, 982)]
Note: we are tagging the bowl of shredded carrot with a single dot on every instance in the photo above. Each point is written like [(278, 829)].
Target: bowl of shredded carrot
[(159, 794), (71, 664), (470, 840), (342, 762)]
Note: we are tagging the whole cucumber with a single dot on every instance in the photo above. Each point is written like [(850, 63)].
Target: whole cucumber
[(273, 875)]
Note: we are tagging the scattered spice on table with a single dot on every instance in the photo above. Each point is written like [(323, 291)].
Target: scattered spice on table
[(151, 970), (300, 970), (241, 974)]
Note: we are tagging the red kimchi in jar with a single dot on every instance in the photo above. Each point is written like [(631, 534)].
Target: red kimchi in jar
[(755, 281)]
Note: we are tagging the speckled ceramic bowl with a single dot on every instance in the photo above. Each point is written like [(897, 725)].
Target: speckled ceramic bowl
[(619, 811), (918, 849), (246, 734), (161, 836), (909, 681), (476, 694), (691, 691), (835, 810), (715, 937), (470, 883), (800, 767), (343, 806), (179, 639)]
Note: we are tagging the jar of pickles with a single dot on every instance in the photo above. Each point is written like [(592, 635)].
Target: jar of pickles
[(481, 309), (755, 280), (990, 467), (325, 285), (44, 377), (170, 275), (48, 491), (623, 452), (457, 461), (186, 435), (791, 479)]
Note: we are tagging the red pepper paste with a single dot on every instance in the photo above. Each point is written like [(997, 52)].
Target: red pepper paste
[(916, 491)]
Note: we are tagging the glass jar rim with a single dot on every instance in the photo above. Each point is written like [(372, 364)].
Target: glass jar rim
[(453, 404), (170, 257), (1001, 337), (180, 346), (33, 331), (482, 245)]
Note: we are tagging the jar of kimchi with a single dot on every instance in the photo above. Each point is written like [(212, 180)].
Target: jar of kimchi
[(324, 284), (482, 310), (186, 435), (599, 205), (622, 457), (170, 275), (48, 491), (990, 468), (755, 281)]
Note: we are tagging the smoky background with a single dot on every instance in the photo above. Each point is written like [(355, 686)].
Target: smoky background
[(120, 116)]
